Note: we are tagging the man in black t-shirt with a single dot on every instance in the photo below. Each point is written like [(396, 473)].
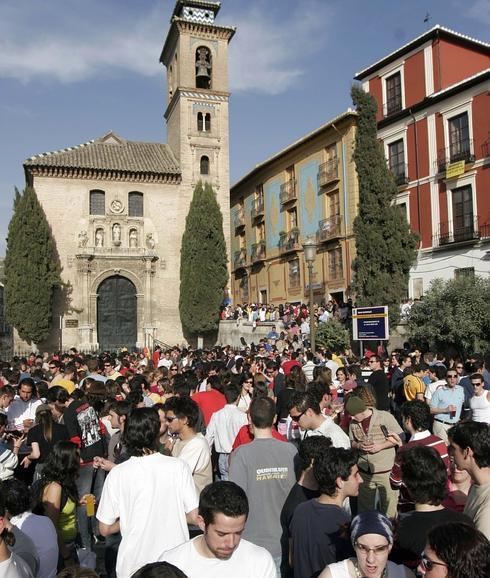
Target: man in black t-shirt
[(87, 431), (424, 474), (318, 536), (379, 382), (303, 490)]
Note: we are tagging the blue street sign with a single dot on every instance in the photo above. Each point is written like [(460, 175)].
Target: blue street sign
[(370, 323)]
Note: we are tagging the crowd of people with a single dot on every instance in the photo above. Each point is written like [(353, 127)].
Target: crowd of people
[(265, 462)]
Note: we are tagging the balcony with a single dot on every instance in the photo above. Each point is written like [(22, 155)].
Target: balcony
[(329, 228), (258, 253), (258, 208), (392, 105), (400, 174), (239, 220), (240, 259), (328, 172), (288, 191), (458, 231), (289, 242), (460, 150)]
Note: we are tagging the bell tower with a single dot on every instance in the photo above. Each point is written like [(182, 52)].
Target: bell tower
[(195, 55)]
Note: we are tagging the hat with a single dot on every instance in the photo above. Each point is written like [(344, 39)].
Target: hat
[(371, 522), (355, 405), (68, 384)]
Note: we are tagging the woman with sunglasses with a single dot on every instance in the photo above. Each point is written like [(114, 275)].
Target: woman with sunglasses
[(246, 383), (372, 540), (455, 550)]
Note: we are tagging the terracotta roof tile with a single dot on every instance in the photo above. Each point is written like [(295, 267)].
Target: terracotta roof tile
[(112, 153)]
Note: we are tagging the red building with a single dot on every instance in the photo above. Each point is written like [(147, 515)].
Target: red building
[(434, 122)]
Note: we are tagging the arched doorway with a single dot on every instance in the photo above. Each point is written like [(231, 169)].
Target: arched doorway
[(116, 313)]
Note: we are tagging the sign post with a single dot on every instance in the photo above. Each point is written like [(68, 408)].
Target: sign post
[(370, 324)]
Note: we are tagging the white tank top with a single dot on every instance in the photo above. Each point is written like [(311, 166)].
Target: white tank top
[(480, 408)]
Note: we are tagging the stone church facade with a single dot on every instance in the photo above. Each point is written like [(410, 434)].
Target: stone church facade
[(117, 208)]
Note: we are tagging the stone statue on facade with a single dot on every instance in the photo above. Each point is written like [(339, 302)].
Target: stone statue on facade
[(133, 238), (82, 239), (99, 238), (150, 241), (116, 234)]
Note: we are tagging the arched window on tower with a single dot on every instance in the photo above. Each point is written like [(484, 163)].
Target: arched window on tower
[(203, 67), (204, 165), (207, 122)]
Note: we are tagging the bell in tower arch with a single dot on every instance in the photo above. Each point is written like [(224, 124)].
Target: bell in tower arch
[(203, 67)]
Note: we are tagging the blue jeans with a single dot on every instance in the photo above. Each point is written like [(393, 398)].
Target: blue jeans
[(87, 526), (223, 466)]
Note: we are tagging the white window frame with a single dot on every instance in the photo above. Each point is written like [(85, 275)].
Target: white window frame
[(462, 181), (401, 69), (400, 134), (404, 198), (448, 114)]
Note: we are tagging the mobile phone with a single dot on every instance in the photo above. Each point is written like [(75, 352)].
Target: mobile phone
[(384, 429)]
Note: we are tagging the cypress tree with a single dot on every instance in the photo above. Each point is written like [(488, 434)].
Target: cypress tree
[(385, 244), (203, 264), (32, 270)]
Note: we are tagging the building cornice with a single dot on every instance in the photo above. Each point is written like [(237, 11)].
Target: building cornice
[(100, 174), (205, 31), (198, 94)]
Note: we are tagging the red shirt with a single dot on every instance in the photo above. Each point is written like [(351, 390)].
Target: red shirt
[(288, 365), (209, 402), (244, 436)]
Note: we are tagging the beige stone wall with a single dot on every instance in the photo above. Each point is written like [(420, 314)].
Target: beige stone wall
[(66, 204)]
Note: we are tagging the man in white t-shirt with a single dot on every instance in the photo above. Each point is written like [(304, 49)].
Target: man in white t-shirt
[(150, 498), (220, 552), (182, 416)]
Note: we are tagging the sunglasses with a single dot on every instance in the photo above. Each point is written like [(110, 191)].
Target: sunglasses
[(296, 418), (174, 369), (377, 550), (452, 375), (170, 418), (429, 564)]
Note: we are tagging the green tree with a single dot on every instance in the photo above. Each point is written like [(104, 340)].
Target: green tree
[(332, 335), (32, 270), (203, 264), (453, 316), (385, 245)]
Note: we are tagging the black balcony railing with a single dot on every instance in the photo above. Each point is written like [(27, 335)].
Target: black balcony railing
[(258, 253), (461, 150), (458, 231), (258, 208), (393, 105), (400, 173), (328, 172), (288, 191), (330, 228), (240, 259), (289, 242)]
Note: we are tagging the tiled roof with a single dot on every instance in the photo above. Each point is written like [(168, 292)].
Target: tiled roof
[(112, 153)]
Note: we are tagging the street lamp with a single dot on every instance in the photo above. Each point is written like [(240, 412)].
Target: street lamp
[(309, 248)]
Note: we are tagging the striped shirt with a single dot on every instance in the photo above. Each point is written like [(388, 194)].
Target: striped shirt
[(423, 438)]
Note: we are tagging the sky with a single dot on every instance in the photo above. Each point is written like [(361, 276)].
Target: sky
[(70, 71)]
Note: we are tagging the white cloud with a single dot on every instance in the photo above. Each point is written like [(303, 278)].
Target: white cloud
[(269, 49), (68, 41)]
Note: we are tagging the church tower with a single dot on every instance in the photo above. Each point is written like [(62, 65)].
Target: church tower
[(195, 55)]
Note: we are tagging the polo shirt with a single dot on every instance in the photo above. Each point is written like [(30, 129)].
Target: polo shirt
[(445, 396)]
